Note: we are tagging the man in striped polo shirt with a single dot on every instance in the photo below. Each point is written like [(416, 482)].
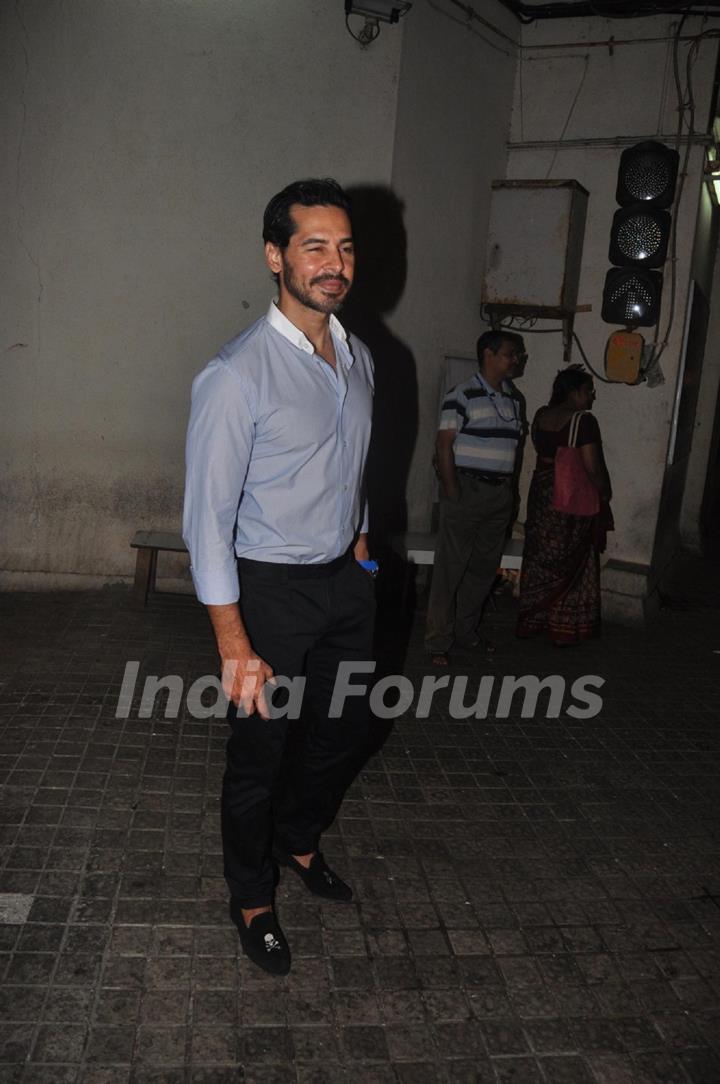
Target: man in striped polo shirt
[(477, 443)]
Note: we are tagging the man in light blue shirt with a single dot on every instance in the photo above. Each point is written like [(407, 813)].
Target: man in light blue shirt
[(276, 527)]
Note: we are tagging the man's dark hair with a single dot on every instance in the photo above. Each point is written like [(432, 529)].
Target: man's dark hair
[(567, 381), (278, 226), (493, 340)]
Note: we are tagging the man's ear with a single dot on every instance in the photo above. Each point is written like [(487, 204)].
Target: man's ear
[(273, 257)]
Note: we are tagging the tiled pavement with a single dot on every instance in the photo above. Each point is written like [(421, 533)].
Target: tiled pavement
[(537, 899)]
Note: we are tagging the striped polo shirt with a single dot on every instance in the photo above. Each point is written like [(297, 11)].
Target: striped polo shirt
[(488, 426)]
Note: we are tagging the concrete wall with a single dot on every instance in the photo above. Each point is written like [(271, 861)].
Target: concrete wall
[(143, 141), (453, 116), (707, 403), (582, 93), (688, 408)]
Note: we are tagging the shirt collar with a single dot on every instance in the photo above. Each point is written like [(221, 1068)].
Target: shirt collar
[(280, 322), (506, 389)]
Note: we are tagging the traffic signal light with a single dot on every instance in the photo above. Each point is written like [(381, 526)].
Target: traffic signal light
[(639, 237), (647, 174), (631, 298), (640, 234)]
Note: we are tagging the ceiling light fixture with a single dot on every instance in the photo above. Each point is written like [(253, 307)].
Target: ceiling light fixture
[(374, 12)]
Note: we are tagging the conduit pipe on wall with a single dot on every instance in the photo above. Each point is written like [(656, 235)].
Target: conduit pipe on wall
[(607, 141), (467, 25), (530, 13), (609, 43)]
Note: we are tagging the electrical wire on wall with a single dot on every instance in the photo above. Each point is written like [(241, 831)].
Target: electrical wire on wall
[(526, 15), (685, 134), (367, 35), (525, 325), (467, 24), (686, 118), (682, 104), (684, 94), (665, 84), (609, 9), (570, 113)]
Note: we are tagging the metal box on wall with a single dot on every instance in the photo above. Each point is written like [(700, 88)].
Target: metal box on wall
[(535, 246)]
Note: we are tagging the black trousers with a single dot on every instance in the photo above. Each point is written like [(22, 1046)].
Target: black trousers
[(303, 620)]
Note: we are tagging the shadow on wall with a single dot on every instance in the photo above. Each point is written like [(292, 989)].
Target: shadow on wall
[(381, 248), (381, 271), (520, 399)]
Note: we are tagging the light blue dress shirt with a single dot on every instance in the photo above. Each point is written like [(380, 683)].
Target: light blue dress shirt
[(275, 454)]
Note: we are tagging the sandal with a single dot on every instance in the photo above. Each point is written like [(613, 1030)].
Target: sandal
[(440, 658)]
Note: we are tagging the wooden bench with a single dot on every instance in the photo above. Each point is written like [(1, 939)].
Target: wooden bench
[(148, 544), (418, 548)]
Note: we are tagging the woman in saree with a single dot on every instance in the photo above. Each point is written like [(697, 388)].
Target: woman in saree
[(560, 578)]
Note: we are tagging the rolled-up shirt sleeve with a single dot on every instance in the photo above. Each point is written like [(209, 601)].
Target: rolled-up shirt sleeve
[(365, 525), (217, 453)]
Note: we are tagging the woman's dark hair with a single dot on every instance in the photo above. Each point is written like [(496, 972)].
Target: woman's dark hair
[(278, 226), (567, 381)]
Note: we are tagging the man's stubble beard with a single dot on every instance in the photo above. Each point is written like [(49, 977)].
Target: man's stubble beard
[(293, 287)]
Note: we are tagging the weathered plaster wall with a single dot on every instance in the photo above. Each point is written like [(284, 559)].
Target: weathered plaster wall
[(682, 466), (453, 117), (581, 93), (707, 404), (143, 141)]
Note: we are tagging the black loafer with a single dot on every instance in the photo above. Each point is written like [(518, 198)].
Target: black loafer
[(263, 941), (318, 877)]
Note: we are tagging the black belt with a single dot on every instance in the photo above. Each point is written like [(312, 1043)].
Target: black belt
[(283, 572), (490, 479)]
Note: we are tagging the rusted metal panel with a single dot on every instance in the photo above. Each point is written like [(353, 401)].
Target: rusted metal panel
[(535, 245)]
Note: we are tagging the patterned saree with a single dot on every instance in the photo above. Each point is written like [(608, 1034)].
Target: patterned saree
[(560, 578)]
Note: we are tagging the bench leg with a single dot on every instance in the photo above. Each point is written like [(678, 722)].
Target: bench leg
[(145, 568)]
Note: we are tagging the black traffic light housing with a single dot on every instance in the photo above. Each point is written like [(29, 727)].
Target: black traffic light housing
[(631, 297), (640, 234), (639, 237), (647, 174)]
